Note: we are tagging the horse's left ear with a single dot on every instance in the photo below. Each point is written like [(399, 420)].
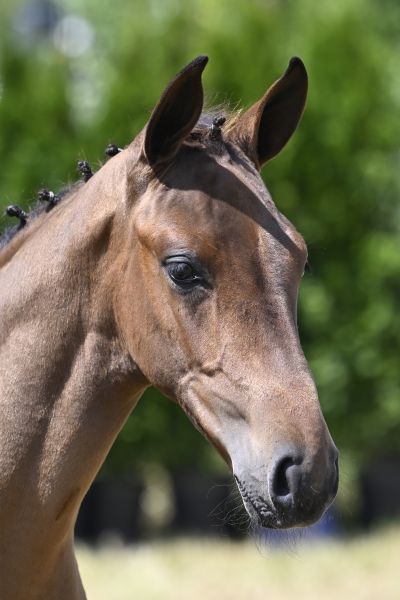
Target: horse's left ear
[(263, 130), (176, 113)]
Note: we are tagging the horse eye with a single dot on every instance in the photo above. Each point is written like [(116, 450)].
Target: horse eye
[(181, 272)]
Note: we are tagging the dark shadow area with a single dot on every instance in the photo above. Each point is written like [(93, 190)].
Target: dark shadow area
[(203, 504), (380, 491), (222, 184)]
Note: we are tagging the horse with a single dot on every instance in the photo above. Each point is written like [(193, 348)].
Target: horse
[(170, 266)]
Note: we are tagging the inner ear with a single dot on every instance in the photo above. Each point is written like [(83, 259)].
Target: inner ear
[(176, 113), (265, 128)]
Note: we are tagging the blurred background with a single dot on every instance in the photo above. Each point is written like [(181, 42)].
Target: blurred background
[(78, 74)]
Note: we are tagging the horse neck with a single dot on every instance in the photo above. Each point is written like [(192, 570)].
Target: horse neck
[(66, 382)]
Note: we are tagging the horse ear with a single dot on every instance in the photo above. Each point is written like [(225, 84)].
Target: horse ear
[(176, 113), (263, 130)]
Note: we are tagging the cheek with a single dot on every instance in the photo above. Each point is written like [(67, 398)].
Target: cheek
[(168, 334), (156, 337)]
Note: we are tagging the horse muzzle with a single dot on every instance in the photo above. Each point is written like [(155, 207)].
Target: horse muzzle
[(294, 492)]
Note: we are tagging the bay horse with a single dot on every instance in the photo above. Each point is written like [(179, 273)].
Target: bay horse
[(172, 267)]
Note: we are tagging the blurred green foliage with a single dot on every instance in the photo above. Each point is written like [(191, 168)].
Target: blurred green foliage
[(63, 98)]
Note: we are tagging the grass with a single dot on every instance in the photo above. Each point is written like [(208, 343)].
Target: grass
[(364, 568)]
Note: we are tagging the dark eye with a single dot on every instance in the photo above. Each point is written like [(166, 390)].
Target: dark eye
[(182, 272)]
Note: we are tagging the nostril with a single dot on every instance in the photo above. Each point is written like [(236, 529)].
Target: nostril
[(281, 484)]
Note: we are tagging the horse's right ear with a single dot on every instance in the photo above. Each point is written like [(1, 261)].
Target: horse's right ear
[(263, 130), (176, 113)]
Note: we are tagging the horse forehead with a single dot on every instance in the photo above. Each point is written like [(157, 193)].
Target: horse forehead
[(192, 219), (212, 189), (272, 227), (217, 201), (253, 182)]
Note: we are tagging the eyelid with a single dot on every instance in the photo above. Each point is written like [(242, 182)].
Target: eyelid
[(189, 258), (178, 258), (180, 255)]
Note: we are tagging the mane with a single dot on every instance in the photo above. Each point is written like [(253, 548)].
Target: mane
[(201, 129), (35, 210), (207, 117)]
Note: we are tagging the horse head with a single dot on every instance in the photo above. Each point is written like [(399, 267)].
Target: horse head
[(207, 295)]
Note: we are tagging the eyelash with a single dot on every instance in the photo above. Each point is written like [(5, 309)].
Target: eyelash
[(307, 268)]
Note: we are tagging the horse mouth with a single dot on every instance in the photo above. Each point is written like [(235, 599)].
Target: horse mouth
[(258, 510), (263, 514)]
